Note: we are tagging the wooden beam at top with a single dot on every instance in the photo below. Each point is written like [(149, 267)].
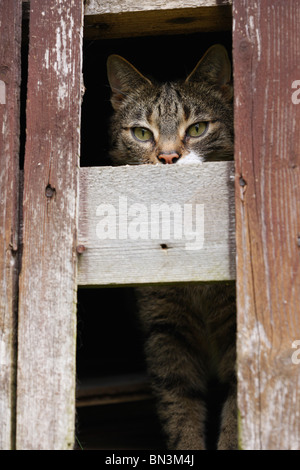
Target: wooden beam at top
[(266, 54), (114, 19), (93, 7)]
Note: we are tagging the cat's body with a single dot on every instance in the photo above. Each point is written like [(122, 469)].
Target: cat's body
[(190, 337), (189, 329)]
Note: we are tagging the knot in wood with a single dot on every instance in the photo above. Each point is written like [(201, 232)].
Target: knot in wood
[(49, 191), (245, 48), (242, 182)]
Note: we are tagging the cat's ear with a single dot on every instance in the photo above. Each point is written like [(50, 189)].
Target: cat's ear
[(122, 77), (214, 66)]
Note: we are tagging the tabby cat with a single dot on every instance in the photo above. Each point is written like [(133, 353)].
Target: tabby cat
[(189, 328)]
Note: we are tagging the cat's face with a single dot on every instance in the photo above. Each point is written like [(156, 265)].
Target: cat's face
[(179, 122)]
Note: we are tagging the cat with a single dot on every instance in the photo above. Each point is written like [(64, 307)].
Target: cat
[(190, 329)]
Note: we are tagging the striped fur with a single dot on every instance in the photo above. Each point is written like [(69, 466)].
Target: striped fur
[(189, 329)]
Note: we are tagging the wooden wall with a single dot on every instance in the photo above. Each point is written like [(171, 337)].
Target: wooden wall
[(39, 412)]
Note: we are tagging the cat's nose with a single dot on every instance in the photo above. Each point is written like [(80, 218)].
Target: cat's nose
[(168, 157)]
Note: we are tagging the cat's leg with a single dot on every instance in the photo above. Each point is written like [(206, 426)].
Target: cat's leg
[(228, 439), (182, 417), (223, 326), (177, 378)]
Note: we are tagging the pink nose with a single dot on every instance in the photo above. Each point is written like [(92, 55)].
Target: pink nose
[(168, 157)]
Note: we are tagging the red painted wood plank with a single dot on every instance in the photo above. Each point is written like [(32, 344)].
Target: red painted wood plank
[(10, 77), (266, 52), (47, 306)]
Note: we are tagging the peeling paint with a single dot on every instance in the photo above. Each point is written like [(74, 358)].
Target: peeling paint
[(46, 59), (50, 227), (2, 92)]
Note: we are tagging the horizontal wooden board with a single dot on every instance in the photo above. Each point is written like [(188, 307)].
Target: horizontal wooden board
[(93, 7), (154, 18), (114, 19), (113, 389), (135, 192)]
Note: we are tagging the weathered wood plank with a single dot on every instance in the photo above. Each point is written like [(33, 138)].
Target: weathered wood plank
[(134, 253), (113, 389), (93, 7), (128, 19), (47, 302), (266, 63), (10, 77)]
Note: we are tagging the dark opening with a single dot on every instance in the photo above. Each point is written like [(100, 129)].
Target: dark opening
[(109, 338)]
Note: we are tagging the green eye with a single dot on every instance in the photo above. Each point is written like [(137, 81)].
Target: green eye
[(142, 134), (196, 130)]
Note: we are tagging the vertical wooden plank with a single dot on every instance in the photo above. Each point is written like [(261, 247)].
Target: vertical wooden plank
[(47, 305), (266, 52), (10, 76)]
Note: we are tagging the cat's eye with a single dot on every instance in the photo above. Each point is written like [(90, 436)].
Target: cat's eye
[(196, 130), (142, 134)]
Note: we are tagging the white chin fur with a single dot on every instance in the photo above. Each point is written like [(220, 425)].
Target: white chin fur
[(191, 157)]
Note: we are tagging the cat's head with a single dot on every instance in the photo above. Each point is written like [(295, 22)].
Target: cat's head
[(177, 122)]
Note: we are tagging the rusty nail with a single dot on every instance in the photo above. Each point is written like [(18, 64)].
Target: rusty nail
[(80, 249)]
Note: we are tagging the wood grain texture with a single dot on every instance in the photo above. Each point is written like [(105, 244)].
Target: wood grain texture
[(130, 19), (47, 302), (113, 389), (93, 7), (266, 62), (10, 77), (146, 259)]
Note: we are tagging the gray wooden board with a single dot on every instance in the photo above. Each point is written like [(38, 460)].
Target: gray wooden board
[(127, 258)]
